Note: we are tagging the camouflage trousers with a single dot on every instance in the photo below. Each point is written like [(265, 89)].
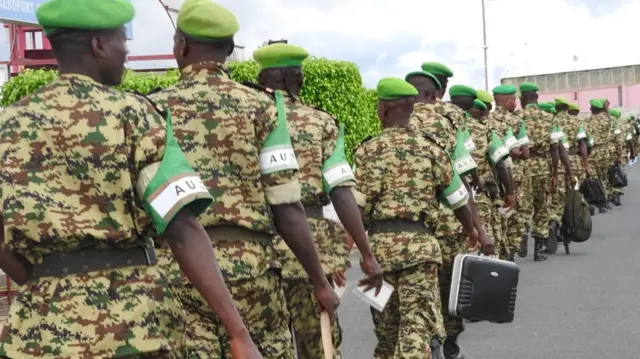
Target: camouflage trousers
[(450, 247), (516, 225), (602, 162), (127, 312), (541, 200), (578, 168), (260, 302), (558, 200), (412, 316), (491, 220), (305, 320)]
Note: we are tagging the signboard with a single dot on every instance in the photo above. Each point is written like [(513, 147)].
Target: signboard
[(23, 12)]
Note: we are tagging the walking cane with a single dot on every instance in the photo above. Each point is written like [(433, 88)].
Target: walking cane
[(325, 329)]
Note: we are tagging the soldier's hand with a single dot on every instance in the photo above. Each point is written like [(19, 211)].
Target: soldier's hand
[(472, 239), (510, 201), (373, 272), (481, 186), (340, 279), (487, 244), (243, 348), (327, 298), (589, 170)]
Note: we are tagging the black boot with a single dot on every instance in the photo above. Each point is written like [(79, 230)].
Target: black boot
[(450, 349), (602, 209), (552, 241), (524, 246), (537, 248), (616, 200), (436, 349), (607, 206), (592, 210)]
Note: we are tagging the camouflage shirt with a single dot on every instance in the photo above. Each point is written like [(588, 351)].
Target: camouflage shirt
[(71, 155), (598, 127), (500, 120), (450, 111), (314, 134), (539, 125), (222, 126), (479, 131), (401, 174)]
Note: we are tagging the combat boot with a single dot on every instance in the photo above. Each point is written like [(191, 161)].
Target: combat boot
[(436, 349), (602, 209), (616, 200), (450, 349), (551, 245), (607, 206), (592, 210), (537, 248), (524, 246)]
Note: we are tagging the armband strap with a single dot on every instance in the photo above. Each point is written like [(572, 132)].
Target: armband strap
[(582, 134), (556, 135), (277, 153), (497, 151), (463, 162), (456, 195), (510, 141), (468, 142), (336, 169), (523, 138), (167, 186)]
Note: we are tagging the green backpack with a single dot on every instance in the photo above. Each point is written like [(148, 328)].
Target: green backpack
[(576, 222)]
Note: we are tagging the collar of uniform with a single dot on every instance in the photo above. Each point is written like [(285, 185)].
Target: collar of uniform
[(501, 109), (531, 105), (397, 129), (422, 105), (77, 77), (207, 68)]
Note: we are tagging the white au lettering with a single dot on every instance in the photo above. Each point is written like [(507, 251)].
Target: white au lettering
[(176, 191), (337, 174), (278, 158), (457, 196)]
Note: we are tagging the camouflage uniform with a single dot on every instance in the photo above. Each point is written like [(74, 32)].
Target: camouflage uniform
[(558, 198), (399, 173), (513, 227), (222, 127), (539, 125), (598, 128), (575, 131), (618, 147), (427, 118), (72, 153), (314, 134)]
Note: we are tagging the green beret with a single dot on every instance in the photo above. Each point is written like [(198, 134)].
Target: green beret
[(529, 87), (84, 15), (462, 90), (437, 68), (615, 112), (574, 106), (546, 106), (562, 101), (505, 90), (205, 19), (391, 88), (596, 103), (479, 104), (280, 55), (484, 96), (424, 73)]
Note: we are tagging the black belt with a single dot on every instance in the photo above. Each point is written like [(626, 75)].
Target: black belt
[(399, 225), (537, 155), (62, 264), (313, 211), (233, 233)]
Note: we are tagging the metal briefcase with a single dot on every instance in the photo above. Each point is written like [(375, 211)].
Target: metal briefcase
[(483, 288)]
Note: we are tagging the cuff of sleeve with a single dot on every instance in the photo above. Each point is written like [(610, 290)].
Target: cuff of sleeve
[(283, 194), (361, 200)]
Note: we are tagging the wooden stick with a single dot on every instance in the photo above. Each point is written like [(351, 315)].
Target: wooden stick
[(327, 340)]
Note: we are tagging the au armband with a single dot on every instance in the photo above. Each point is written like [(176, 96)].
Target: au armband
[(336, 169), (456, 195), (277, 152), (582, 134), (523, 137), (510, 141), (167, 186), (463, 161)]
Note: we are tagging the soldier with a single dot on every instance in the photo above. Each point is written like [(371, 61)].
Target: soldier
[(504, 120), (240, 145), (598, 126), (574, 109), (544, 156), (401, 197), (449, 232), (618, 147), (324, 173), (478, 109), (446, 109), (73, 226), (487, 99)]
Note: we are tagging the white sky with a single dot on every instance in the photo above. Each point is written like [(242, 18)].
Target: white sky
[(391, 38)]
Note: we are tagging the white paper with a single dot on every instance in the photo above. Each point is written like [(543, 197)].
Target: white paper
[(370, 298)]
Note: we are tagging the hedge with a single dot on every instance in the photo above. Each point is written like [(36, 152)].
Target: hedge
[(334, 86)]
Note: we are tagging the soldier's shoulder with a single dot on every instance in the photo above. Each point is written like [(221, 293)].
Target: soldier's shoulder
[(259, 89)]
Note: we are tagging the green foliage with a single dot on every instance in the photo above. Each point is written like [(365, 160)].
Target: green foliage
[(334, 86)]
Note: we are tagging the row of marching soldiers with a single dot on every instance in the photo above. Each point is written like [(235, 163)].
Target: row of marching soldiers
[(111, 201)]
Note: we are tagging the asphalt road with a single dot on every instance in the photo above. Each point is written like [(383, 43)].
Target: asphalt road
[(583, 306)]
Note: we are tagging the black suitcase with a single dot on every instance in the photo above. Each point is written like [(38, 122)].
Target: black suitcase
[(483, 289)]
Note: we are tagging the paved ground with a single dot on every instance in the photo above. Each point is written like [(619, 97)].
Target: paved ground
[(582, 306)]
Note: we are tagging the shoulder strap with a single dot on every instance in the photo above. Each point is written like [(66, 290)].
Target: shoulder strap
[(259, 87), (162, 111)]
